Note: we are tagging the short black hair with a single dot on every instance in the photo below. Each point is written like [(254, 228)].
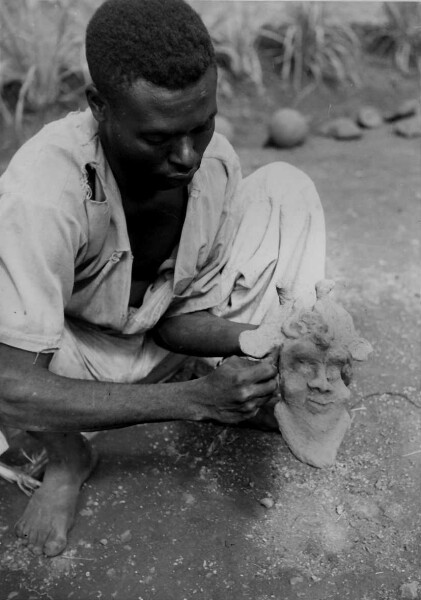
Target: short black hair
[(164, 42)]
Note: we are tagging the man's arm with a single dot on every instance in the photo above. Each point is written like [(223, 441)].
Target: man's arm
[(201, 334), (33, 398)]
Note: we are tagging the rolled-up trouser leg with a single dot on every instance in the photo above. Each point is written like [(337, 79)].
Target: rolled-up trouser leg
[(280, 243), (86, 352)]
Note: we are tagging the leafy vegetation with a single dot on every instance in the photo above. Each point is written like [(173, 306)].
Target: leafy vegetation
[(310, 46), (399, 37), (42, 56), (234, 35), (42, 60)]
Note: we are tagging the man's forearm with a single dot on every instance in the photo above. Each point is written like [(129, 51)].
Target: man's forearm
[(200, 334), (89, 405), (33, 398)]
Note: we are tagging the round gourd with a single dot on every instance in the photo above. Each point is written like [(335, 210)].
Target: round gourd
[(287, 128)]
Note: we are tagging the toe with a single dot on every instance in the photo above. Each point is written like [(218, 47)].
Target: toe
[(35, 549), (54, 546), (20, 530)]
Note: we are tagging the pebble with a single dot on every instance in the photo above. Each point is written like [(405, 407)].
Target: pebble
[(409, 128), (341, 129), (409, 591), (369, 117), (408, 108), (104, 541), (267, 502), (126, 536), (295, 580)]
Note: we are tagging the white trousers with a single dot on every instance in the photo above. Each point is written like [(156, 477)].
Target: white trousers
[(280, 242)]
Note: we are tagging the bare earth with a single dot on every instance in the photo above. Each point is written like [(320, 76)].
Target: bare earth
[(173, 511)]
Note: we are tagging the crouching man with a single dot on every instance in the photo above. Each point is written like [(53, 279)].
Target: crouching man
[(129, 240)]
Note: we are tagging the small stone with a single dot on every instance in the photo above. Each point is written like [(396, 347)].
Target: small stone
[(295, 580), (369, 117), (394, 511), (86, 512), (111, 572), (104, 541), (267, 502), (341, 129), (340, 509), (408, 108), (409, 128), (409, 591), (126, 536), (12, 595)]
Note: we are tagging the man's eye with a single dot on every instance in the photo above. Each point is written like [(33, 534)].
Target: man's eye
[(154, 141), (208, 125)]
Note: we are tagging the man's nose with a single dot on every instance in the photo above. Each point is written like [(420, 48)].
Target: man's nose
[(320, 382), (183, 155)]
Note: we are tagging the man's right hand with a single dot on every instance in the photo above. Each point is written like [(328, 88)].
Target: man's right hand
[(236, 390)]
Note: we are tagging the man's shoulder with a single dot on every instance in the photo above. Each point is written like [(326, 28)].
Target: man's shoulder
[(219, 148), (52, 160), (66, 137)]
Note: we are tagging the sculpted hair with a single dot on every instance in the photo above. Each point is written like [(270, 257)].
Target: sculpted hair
[(161, 41)]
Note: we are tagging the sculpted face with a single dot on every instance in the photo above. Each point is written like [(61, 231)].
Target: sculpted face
[(312, 414), (317, 348), (311, 377)]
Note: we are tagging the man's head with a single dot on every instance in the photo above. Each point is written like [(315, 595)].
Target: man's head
[(154, 89), (163, 42)]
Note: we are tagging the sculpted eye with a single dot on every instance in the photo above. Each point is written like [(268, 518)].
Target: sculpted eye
[(304, 366), (333, 372)]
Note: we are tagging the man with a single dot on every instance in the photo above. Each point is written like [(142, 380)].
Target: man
[(128, 241)]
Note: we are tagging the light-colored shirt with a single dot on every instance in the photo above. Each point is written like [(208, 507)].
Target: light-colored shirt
[(65, 253)]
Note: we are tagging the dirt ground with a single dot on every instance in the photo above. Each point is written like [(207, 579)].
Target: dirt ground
[(173, 510)]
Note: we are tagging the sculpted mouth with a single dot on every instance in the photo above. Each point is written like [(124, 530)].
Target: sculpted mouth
[(320, 404)]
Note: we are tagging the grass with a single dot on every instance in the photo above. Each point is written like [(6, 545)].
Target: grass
[(42, 56), (399, 37), (234, 34), (311, 46)]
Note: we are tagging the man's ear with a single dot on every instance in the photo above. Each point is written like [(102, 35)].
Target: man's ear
[(99, 105)]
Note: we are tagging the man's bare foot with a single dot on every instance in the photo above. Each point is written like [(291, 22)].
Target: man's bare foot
[(50, 512)]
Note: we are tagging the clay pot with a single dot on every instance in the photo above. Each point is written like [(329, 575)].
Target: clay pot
[(287, 128), (223, 126)]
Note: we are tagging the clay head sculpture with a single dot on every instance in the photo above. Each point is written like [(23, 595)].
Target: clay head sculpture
[(315, 367), (317, 347)]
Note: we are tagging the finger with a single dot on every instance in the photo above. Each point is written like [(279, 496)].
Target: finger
[(265, 390), (273, 355), (259, 371)]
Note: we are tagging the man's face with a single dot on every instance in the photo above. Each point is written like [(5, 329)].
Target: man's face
[(156, 136), (311, 378)]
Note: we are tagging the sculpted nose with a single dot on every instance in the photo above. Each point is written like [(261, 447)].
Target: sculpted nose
[(183, 155), (320, 382)]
